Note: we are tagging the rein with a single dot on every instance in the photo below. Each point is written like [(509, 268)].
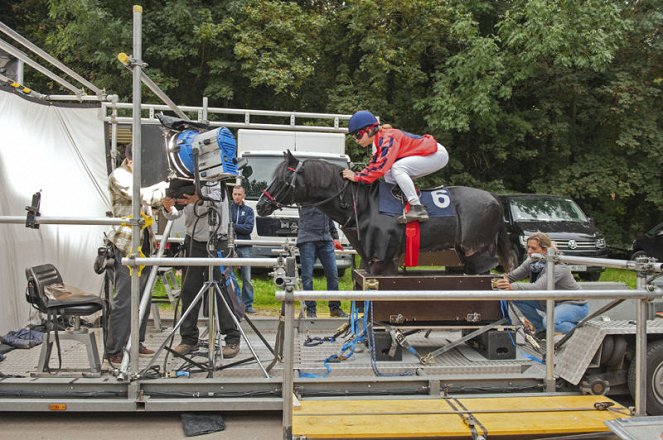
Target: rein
[(281, 205), (291, 186)]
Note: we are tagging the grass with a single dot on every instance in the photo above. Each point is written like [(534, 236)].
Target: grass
[(265, 301), (621, 276), (264, 289)]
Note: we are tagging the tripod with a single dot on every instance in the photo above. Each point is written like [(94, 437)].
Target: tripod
[(219, 299)]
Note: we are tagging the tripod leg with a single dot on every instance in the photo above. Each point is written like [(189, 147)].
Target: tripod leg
[(278, 346), (169, 338), (259, 334), (239, 327)]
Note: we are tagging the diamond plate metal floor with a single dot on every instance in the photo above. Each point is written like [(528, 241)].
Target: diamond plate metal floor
[(461, 361)]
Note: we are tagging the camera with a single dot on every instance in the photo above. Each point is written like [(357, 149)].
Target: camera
[(177, 188)]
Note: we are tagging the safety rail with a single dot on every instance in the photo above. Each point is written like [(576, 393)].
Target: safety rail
[(642, 294), (202, 113)]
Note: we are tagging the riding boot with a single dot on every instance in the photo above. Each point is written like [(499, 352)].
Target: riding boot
[(417, 213)]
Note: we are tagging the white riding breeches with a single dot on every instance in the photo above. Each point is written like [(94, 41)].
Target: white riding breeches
[(404, 170)]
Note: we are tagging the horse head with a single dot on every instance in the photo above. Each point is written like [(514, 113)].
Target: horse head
[(302, 182), (281, 191)]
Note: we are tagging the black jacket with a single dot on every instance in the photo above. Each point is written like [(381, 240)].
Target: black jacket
[(315, 226)]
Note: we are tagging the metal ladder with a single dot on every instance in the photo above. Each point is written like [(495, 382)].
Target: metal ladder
[(173, 289)]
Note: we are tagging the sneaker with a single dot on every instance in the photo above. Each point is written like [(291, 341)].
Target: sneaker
[(337, 313), (144, 351), (310, 313), (417, 213), (230, 350), (184, 349), (115, 359), (250, 310)]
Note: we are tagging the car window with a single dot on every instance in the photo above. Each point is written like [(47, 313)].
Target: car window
[(263, 170), (656, 230), (545, 209)]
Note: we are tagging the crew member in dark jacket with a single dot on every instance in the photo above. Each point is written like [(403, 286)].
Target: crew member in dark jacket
[(316, 238), (197, 230), (243, 218)]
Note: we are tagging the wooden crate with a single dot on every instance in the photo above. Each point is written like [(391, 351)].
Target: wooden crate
[(464, 312)]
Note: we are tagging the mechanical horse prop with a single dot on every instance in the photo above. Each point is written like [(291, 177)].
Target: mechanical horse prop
[(476, 232)]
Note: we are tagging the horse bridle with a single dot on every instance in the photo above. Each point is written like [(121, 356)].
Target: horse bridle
[(290, 188)]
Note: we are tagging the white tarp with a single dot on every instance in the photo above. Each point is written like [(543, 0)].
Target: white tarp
[(59, 150)]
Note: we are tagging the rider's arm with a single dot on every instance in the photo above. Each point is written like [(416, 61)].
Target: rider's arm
[(384, 157)]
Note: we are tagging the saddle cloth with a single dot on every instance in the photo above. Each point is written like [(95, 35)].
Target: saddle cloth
[(436, 200)]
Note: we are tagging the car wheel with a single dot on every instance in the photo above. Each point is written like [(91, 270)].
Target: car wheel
[(638, 254), (654, 379), (589, 276)]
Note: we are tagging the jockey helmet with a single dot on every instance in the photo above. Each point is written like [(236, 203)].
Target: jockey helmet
[(361, 119)]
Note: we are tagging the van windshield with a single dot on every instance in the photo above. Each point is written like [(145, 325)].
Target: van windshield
[(547, 210), (263, 169)]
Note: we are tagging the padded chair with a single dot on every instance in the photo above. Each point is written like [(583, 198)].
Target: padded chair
[(47, 293)]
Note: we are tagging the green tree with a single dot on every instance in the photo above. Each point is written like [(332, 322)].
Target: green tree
[(557, 96)]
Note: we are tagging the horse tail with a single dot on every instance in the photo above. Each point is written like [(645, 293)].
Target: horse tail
[(504, 248)]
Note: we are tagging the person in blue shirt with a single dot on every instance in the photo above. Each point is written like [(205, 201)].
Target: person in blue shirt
[(243, 219), (316, 239)]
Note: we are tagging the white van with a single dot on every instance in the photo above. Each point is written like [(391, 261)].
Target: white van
[(263, 150)]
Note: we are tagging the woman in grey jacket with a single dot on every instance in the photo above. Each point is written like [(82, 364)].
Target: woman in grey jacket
[(567, 312)]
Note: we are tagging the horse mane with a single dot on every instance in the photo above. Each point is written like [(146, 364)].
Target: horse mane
[(319, 173)]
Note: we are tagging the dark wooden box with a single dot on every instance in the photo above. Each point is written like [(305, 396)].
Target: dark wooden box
[(431, 312)]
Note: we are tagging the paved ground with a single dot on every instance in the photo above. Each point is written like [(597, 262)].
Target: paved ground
[(143, 426)]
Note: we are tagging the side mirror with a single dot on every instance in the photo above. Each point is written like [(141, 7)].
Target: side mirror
[(244, 167), (590, 220)]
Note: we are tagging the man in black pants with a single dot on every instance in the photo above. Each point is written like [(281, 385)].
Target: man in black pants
[(120, 185), (197, 235)]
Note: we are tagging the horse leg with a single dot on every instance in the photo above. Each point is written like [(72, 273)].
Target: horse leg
[(383, 267), (375, 267), (480, 263)]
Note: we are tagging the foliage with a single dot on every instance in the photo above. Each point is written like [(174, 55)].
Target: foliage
[(556, 96)]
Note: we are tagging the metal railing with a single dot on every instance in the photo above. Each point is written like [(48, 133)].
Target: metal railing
[(642, 294)]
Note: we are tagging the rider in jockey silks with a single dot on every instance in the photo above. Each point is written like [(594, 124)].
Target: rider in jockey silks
[(399, 156)]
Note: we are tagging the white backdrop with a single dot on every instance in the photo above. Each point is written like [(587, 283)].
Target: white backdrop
[(59, 150)]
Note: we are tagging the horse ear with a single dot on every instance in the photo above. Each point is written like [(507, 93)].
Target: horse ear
[(292, 160)]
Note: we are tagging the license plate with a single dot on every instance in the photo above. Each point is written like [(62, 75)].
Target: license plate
[(577, 268)]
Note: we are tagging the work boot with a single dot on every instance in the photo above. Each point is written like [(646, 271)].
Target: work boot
[(230, 351), (144, 351), (417, 213), (115, 359), (184, 349), (337, 313)]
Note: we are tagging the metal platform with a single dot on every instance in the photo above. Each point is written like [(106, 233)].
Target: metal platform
[(244, 387)]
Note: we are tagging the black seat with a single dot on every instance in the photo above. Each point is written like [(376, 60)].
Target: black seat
[(50, 295)]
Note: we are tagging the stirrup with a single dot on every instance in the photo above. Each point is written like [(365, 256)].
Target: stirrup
[(421, 216)]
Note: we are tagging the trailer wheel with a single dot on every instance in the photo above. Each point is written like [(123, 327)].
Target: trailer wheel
[(654, 379)]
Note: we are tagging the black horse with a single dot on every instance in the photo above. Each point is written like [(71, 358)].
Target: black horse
[(476, 232)]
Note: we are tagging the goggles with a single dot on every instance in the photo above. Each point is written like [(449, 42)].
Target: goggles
[(360, 133)]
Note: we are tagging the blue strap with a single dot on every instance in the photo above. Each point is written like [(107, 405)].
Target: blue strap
[(348, 348)]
